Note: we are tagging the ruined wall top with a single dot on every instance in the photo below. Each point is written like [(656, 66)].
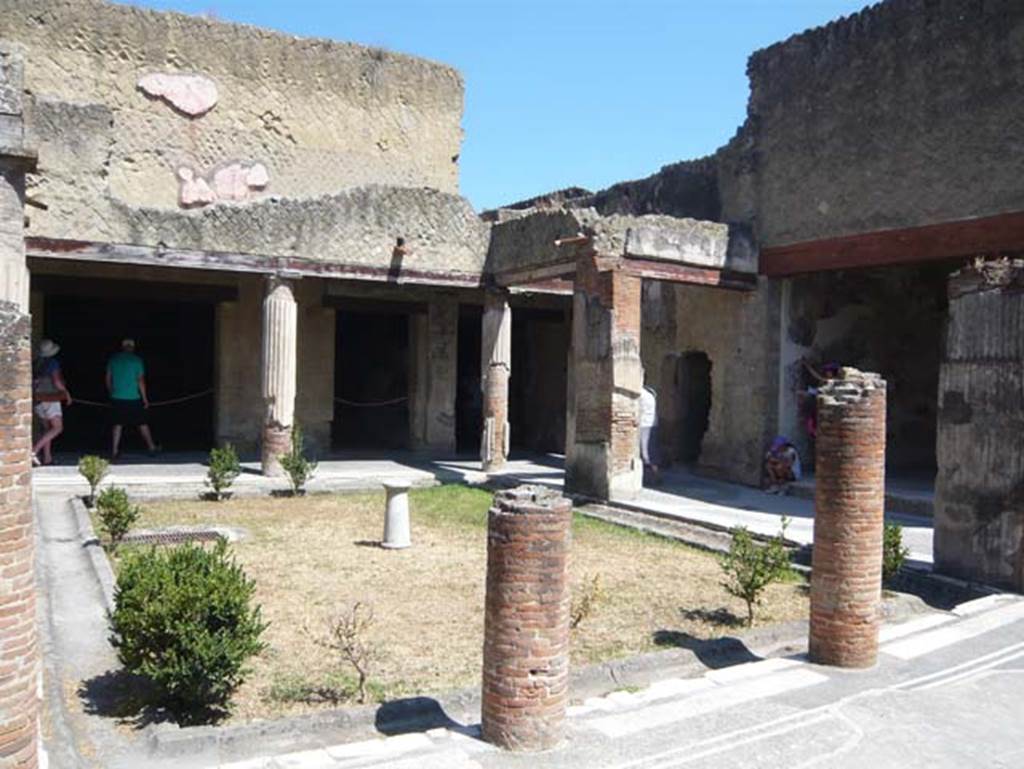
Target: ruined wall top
[(898, 116), (850, 386), (161, 110)]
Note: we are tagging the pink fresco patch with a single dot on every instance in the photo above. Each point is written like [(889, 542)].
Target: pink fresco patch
[(194, 95)]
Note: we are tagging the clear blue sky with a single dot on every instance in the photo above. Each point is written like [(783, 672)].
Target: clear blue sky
[(565, 92)]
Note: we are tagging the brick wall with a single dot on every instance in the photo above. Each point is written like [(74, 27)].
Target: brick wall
[(19, 653), (526, 625), (846, 569)]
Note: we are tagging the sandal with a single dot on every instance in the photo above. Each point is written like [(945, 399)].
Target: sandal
[(35, 460)]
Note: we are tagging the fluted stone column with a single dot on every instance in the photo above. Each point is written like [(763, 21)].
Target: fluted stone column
[(279, 372), (497, 368)]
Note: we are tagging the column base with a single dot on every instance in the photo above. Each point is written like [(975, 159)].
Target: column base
[(277, 440)]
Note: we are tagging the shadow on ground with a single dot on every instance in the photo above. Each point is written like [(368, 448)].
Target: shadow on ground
[(413, 714), (713, 653), (132, 700)]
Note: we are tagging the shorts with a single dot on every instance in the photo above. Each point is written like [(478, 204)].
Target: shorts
[(649, 446), (127, 413), (48, 410)]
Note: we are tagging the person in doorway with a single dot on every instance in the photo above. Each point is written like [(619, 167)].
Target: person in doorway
[(781, 465), (649, 433), (129, 400), (49, 391)]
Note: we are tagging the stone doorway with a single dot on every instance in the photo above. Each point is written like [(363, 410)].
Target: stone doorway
[(174, 336), (371, 380), (694, 378)]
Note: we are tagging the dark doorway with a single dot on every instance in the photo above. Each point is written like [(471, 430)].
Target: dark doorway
[(175, 339), (695, 397), (537, 391), (371, 381), (469, 413)]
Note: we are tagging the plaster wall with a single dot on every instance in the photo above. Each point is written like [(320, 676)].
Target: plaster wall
[(737, 332), (319, 115), (900, 115)]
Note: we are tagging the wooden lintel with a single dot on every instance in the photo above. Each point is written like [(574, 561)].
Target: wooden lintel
[(121, 288), (652, 269), (111, 253), (1003, 233), (374, 306), (523, 276)]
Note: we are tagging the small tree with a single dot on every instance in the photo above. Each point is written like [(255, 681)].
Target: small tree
[(296, 465), (750, 568), (185, 619), (224, 468), (94, 470), (116, 512), (894, 552), (347, 635)]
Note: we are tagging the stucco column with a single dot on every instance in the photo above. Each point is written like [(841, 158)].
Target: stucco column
[(279, 372), (432, 386), (496, 356), (849, 501), (607, 377), (979, 489), (15, 159)]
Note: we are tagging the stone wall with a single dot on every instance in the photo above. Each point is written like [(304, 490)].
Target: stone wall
[(898, 116), (19, 650), (317, 115), (979, 494)]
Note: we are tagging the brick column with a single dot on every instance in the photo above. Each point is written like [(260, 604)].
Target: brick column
[(849, 497), (604, 460), (496, 356), (19, 652), (279, 372), (526, 624)]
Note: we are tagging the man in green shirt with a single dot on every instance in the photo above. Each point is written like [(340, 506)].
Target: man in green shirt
[(126, 384)]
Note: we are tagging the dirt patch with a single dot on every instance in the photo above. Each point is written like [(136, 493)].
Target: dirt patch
[(309, 556)]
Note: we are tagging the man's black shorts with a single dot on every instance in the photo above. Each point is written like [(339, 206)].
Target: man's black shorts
[(127, 413)]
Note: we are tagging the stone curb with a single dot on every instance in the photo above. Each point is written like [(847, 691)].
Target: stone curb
[(97, 555)]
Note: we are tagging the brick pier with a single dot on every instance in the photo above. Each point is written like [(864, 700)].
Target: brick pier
[(19, 651), (846, 568), (526, 626)]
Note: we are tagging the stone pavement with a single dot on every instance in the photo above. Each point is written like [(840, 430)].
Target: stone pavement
[(946, 693), (682, 495)]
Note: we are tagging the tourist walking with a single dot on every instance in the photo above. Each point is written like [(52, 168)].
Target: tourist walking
[(649, 433), (129, 400), (49, 391)]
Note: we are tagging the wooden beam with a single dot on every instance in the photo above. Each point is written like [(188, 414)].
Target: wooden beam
[(116, 253), (964, 238), (652, 269), (522, 276)]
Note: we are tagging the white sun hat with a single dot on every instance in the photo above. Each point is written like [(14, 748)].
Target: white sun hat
[(48, 348)]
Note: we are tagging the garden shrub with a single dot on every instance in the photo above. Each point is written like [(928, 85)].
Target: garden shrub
[(347, 634), (224, 467), (750, 568), (296, 465), (116, 512), (94, 470), (585, 600), (185, 619), (894, 552)]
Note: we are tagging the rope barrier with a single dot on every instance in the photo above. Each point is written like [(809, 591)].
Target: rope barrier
[(371, 404), (152, 404)]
